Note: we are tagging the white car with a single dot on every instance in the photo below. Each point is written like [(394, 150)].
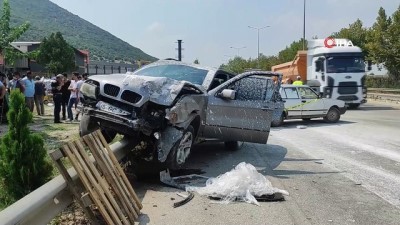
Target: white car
[(302, 102)]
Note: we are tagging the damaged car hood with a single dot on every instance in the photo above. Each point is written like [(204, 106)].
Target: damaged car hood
[(160, 90)]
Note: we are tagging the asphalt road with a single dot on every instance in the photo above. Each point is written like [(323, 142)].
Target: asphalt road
[(344, 173)]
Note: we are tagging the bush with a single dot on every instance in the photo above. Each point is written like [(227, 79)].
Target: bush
[(382, 82), (24, 165)]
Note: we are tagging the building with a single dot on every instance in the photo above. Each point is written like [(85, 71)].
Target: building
[(24, 64)]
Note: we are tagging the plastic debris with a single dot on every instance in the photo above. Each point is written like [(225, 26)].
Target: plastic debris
[(242, 183)]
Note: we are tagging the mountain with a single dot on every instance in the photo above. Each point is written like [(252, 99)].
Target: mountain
[(46, 17)]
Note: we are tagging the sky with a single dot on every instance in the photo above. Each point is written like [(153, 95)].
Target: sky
[(213, 31)]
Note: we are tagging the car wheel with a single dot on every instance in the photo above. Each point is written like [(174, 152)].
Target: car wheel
[(233, 145), (181, 150), (87, 126), (333, 115), (279, 122)]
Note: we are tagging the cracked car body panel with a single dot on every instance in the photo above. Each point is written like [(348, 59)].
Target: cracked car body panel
[(168, 138), (159, 90), (185, 107)]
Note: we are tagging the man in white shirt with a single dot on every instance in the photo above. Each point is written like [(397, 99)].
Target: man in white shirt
[(80, 96), (73, 97)]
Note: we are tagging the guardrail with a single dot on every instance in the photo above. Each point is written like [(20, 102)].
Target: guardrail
[(383, 96), (42, 205)]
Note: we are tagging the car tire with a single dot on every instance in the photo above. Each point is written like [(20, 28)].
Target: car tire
[(278, 123), (180, 152), (87, 126), (233, 145), (332, 116)]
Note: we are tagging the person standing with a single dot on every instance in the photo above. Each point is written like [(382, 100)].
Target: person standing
[(17, 83), (298, 81), (57, 96), (81, 80), (29, 90), (40, 91), (73, 97), (66, 93)]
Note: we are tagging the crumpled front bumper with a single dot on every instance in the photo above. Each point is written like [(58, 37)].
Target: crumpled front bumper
[(115, 122)]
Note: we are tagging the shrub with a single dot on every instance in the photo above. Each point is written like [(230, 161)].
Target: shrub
[(24, 165), (382, 82)]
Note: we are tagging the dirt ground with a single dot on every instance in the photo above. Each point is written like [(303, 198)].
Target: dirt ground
[(54, 134)]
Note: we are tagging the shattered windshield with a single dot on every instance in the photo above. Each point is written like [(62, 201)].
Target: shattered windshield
[(345, 64), (177, 72)]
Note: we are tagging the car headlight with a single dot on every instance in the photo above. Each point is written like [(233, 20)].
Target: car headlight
[(89, 90)]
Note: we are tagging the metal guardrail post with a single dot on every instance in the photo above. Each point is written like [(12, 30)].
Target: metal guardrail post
[(42, 205)]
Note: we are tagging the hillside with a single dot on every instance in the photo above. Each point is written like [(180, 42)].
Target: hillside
[(46, 17)]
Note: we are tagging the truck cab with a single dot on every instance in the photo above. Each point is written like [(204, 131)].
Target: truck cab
[(337, 70)]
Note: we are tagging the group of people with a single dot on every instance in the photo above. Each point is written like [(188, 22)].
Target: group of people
[(33, 89), (66, 95)]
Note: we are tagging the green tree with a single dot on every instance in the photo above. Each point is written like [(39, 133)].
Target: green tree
[(196, 61), (383, 42), (356, 33), (392, 62), (290, 52), (9, 34), (23, 163), (56, 54)]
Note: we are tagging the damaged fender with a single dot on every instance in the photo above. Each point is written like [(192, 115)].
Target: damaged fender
[(166, 141), (169, 136)]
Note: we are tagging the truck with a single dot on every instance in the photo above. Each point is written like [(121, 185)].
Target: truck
[(334, 68)]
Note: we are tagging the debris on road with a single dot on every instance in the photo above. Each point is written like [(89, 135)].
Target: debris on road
[(184, 201), (301, 127), (243, 183)]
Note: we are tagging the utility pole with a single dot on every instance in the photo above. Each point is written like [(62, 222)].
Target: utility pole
[(238, 48), (258, 43), (180, 50), (304, 25)]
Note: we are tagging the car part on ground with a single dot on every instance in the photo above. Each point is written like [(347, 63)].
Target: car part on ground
[(184, 201), (242, 183)]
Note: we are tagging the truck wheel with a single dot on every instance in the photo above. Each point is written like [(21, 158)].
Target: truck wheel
[(87, 126), (332, 116), (233, 145), (181, 150), (279, 122)]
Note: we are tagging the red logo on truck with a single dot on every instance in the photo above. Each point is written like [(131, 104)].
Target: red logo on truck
[(330, 42)]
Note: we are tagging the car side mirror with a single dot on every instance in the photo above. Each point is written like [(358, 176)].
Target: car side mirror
[(227, 94)]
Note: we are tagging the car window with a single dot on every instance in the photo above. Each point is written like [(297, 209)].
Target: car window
[(252, 88), (177, 72), (291, 92), (307, 93), (283, 93)]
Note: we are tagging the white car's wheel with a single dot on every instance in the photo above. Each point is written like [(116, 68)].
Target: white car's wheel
[(333, 115)]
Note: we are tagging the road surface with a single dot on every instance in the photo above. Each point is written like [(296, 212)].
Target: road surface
[(344, 173)]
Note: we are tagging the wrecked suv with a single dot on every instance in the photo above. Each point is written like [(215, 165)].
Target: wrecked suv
[(168, 106)]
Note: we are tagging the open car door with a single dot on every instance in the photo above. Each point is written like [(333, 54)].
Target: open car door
[(240, 109)]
